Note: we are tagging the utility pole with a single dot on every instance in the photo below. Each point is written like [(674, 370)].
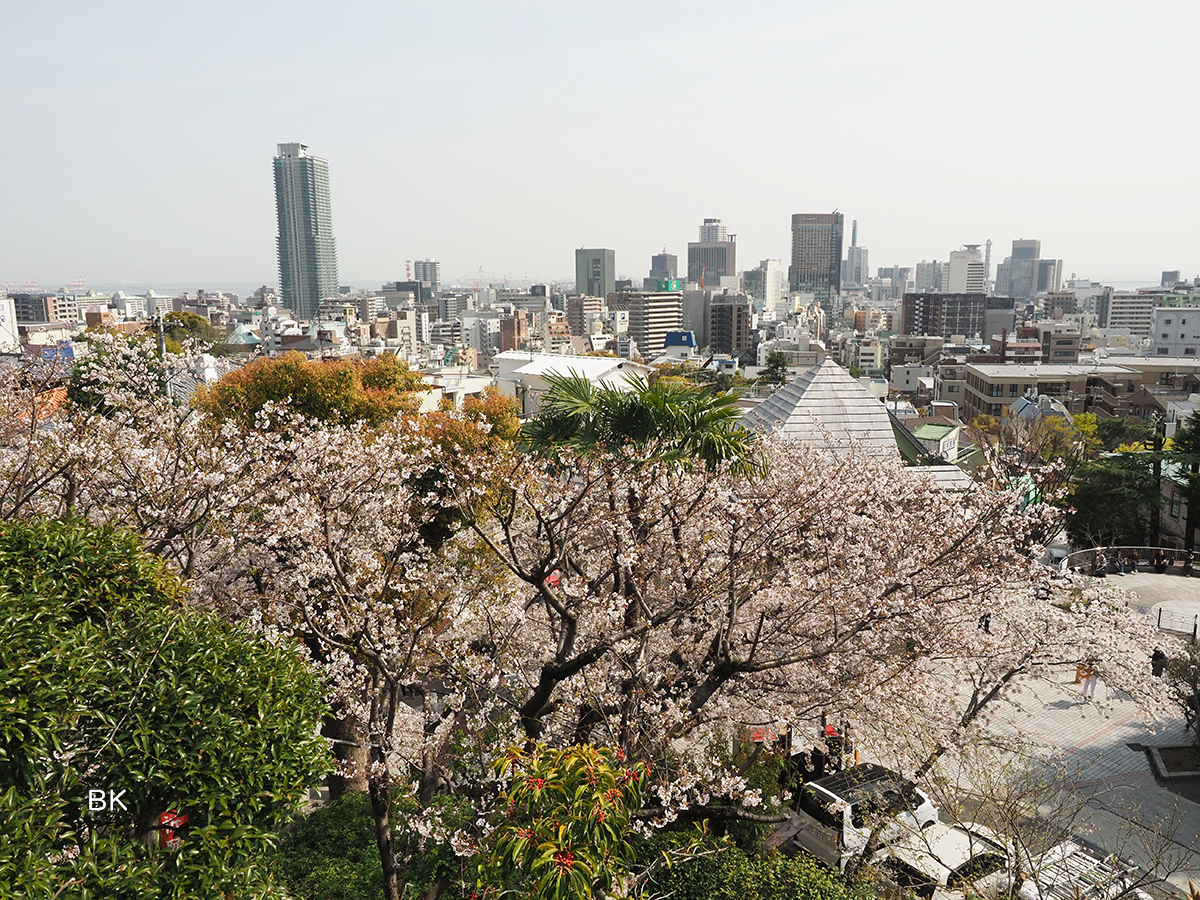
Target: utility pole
[(1160, 427), (162, 354)]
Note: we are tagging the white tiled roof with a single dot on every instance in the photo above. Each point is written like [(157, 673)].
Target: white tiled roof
[(826, 407)]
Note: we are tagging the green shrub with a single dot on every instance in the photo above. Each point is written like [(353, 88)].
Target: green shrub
[(732, 875), (332, 854)]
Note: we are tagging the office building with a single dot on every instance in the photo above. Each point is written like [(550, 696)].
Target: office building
[(928, 277), (765, 283), (595, 272), (1049, 279), (1025, 273), (307, 251), (428, 271), (664, 266), (651, 315), (714, 256), (945, 315), (816, 255), (966, 272), (856, 270)]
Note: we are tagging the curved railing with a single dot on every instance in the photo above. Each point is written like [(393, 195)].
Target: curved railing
[(1115, 560)]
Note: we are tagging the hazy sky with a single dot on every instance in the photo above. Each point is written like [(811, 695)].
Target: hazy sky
[(136, 137)]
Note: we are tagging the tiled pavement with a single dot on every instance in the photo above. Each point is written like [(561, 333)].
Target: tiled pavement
[(1091, 740)]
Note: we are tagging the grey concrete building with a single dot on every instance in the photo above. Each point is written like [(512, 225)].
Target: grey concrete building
[(595, 272)]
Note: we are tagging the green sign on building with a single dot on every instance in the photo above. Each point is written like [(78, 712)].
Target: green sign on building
[(668, 284)]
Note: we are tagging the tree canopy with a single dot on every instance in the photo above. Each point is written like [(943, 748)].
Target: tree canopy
[(112, 687), (669, 422), (342, 391)]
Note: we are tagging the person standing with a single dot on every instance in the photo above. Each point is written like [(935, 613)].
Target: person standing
[(1089, 681)]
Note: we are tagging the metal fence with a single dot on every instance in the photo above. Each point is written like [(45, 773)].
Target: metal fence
[(1112, 560)]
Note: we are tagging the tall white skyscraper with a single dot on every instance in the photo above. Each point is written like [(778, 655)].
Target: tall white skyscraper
[(772, 270), (307, 251)]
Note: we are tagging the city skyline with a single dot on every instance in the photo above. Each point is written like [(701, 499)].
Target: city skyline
[(123, 172)]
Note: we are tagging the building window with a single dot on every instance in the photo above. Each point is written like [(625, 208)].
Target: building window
[(1162, 351), (1166, 322), (997, 390), (1012, 390), (995, 409), (1175, 504), (1189, 351)]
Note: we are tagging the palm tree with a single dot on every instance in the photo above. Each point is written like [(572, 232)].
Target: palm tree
[(680, 425)]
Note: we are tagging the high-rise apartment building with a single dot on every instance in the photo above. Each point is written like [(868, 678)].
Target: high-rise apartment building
[(307, 251), (580, 310), (729, 325), (816, 255), (944, 315), (595, 272), (713, 232), (651, 315), (428, 271), (713, 256)]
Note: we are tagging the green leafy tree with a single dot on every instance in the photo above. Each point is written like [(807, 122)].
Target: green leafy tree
[(1112, 501), (184, 326), (776, 369), (1114, 433), (110, 684), (565, 830), (1185, 448), (734, 875)]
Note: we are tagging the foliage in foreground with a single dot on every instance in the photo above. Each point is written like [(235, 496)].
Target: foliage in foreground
[(732, 875), (331, 854), (565, 830), (109, 684)]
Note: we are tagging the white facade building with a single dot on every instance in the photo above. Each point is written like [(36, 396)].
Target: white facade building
[(1175, 331), (966, 273)]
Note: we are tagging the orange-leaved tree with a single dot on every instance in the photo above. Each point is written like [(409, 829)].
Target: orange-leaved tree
[(341, 391)]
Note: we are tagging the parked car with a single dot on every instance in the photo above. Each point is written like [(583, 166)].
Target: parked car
[(880, 787), (948, 862), (836, 814)]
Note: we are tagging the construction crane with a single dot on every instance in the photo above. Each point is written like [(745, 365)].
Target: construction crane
[(408, 270)]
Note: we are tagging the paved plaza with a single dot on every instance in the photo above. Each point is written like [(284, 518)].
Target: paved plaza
[(1101, 742)]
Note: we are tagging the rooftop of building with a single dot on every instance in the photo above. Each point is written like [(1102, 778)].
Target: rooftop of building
[(1047, 370), (826, 407)]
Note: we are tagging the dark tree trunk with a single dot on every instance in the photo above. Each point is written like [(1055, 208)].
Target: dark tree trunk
[(380, 792), (343, 731)]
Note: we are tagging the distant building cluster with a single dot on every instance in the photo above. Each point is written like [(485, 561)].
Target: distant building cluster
[(940, 336)]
